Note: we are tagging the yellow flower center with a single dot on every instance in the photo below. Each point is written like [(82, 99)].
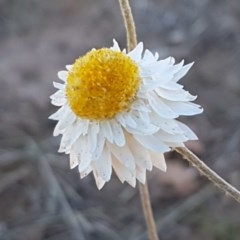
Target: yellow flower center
[(102, 84)]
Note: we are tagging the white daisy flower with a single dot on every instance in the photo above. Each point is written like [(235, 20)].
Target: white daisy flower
[(118, 111)]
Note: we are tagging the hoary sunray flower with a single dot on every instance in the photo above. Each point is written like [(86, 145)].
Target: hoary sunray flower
[(118, 112)]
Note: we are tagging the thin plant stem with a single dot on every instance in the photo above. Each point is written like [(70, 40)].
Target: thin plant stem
[(227, 188), (129, 24), (143, 188), (147, 210)]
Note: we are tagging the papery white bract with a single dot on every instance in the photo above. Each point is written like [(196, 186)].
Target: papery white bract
[(135, 139)]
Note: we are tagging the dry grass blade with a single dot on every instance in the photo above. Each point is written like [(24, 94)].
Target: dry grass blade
[(33, 224), (69, 216), (13, 177)]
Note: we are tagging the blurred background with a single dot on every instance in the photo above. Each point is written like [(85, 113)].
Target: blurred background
[(40, 198)]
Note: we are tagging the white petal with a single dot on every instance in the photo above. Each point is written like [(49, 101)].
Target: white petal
[(103, 165), (85, 126), (175, 144), (57, 94), (99, 148), (187, 131), (76, 129), (99, 182), (152, 143), (153, 84), (172, 60), (168, 125), (65, 142), (85, 154), (74, 156), (140, 106), (124, 155), (142, 93), (167, 61), (148, 57), (140, 153), (85, 172), (171, 85), (158, 161), (182, 72), (59, 101), (115, 46), (67, 119), (144, 116), (123, 173), (69, 67), (58, 85), (63, 75), (93, 130), (178, 67), (145, 72), (153, 79), (164, 75), (185, 108), (144, 127), (59, 113), (73, 160), (160, 107), (136, 53), (121, 119), (141, 174), (106, 130), (166, 137), (130, 121), (178, 95), (58, 98), (160, 67), (126, 119), (118, 135)]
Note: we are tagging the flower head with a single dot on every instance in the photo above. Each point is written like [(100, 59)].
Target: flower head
[(118, 111)]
